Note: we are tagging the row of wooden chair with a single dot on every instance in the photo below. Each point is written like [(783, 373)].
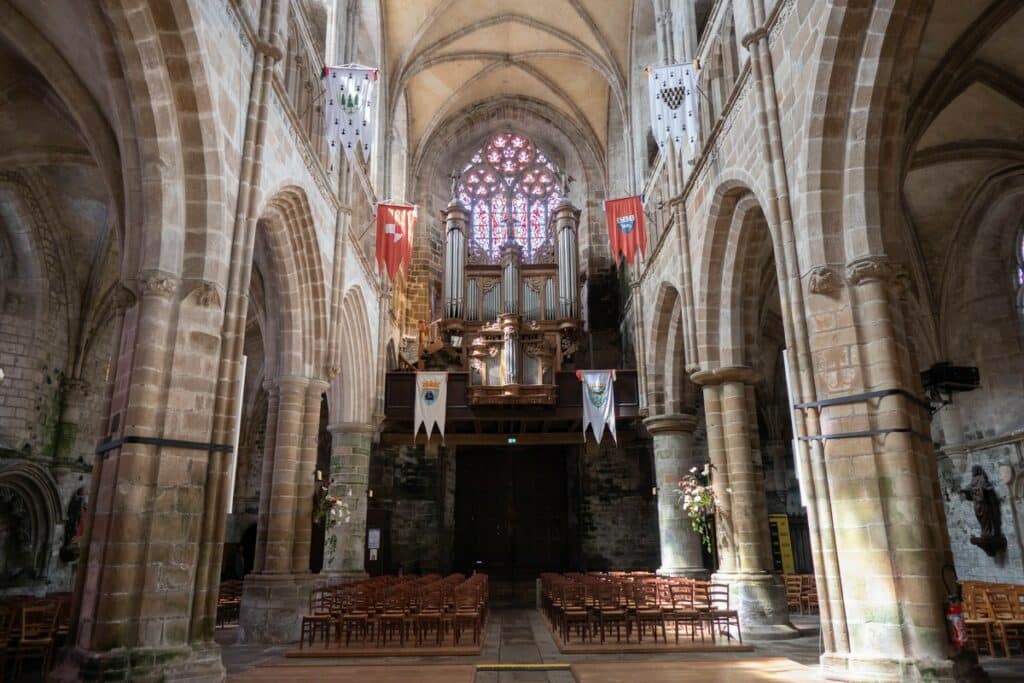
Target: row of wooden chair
[(229, 601), (589, 605), (397, 608), (994, 616), (801, 593), (32, 628)]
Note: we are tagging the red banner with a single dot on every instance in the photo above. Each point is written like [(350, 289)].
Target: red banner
[(395, 223), (627, 233)]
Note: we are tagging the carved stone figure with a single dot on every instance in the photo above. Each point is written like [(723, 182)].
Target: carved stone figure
[(73, 526), (986, 508)]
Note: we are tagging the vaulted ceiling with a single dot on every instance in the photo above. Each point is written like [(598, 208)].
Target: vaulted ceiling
[(447, 56)]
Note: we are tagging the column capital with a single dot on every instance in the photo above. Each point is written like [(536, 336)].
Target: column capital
[(735, 373), (671, 423)]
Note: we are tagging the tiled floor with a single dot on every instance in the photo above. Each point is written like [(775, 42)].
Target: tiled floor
[(519, 636)]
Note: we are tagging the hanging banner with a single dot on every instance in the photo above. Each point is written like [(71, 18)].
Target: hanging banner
[(598, 402), (349, 107), (431, 399), (673, 97), (627, 232), (395, 224)]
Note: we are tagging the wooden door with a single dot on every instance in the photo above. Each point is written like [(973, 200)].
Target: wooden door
[(511, 511)]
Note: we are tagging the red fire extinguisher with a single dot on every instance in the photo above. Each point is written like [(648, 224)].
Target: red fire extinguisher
[(957, 627)]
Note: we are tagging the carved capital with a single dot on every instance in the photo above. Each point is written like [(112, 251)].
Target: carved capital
[(332, 371), (206, 295), (736, 373), (671, 423), (824, 280), (160, 285), (754, 36), (869, 269)]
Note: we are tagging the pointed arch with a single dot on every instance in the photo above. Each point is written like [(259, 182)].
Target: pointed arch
[(352, 391)]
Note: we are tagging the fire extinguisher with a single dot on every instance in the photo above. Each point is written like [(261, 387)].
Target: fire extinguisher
[(955, 617), (954, 612)]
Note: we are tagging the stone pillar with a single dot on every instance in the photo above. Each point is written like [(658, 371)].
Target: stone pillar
[(349, 479), (673, 457), (266, 478), (274, 599), (738, 478)]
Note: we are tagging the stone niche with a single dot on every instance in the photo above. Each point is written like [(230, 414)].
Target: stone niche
[(29, 518)]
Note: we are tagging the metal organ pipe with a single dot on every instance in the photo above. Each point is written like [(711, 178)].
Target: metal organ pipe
[(567, 219), (455, 262)]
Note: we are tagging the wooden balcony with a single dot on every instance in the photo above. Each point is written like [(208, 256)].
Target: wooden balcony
[(559, 423)]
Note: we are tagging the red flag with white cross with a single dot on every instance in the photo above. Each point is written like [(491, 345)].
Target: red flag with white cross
[(395, 223), (627, 233)]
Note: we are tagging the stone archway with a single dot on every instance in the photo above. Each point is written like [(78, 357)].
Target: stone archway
[(29, 515)]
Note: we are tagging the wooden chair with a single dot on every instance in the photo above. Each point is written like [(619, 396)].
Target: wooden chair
[(431, 614), (355, 617), (684, 611), (794, 592), (8, 615), (574, 611), (611, 610), (809, 595), (395, 616), (1008, 626), (721, 615), (35, 637), (978, 619), (467, 611), (647, 611), (319, 618)]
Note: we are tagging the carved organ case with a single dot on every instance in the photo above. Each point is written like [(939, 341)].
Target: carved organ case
[(511, 283)]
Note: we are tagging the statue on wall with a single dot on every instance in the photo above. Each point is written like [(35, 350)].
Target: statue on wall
[(986, 508), (73, 524)]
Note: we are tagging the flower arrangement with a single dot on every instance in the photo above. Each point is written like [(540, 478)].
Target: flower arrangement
[(329, 510), (698, 500)]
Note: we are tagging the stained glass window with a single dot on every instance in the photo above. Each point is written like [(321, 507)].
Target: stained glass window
[(509, 186), (1020, 272)]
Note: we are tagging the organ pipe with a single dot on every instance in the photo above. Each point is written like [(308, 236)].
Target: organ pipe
[(455, 261), (566, 222)]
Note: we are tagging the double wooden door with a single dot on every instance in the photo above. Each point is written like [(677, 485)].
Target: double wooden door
[(511, 511)]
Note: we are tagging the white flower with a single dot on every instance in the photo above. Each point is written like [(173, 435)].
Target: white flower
[(707, 468), (728, 490), (693, 469)]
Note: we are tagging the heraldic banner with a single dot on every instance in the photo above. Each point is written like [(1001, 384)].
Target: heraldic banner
[(673, 91), (627, 232), (431, 398), (395, 223), (598, 402), (349, 107)]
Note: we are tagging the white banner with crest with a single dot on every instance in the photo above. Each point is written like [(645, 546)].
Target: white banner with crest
[(673, 95), (431, 399), (349, 107), (598, 402)]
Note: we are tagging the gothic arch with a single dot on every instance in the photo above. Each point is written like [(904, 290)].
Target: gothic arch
[(669, 389), (352, 394), (294, 284), (32, 491), (735, 242)]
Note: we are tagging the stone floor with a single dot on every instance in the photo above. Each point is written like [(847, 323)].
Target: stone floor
[(520, 637)]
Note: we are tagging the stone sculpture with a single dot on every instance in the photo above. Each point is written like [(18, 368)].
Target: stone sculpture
[(986, 508)]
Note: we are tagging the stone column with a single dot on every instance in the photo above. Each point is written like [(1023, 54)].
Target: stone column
[(758, 595), (673, 457), (350, 476), (266, 478), (274, 600), (305, 484)]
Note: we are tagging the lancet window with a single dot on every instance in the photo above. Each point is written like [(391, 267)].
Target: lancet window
[(1019, 274), (509, 186)]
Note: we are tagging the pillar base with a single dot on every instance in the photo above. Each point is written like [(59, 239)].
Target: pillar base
[(272, 607), (760, 599), (850, 667), (197, 663), (689, 572)]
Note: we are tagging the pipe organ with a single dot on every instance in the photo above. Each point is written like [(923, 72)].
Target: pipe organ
[(515, 320)]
